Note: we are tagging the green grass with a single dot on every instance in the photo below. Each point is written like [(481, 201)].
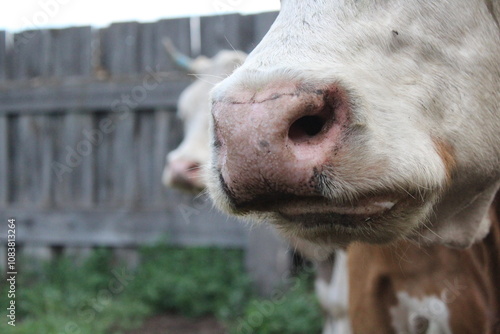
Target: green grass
[(64, 298), (291, 310), (193, 282), (98, 297)]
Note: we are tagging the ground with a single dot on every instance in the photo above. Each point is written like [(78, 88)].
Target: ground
[(177, 324)]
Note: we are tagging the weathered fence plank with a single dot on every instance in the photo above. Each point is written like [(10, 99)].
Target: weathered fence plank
[(71, 52), (124, 178), (180, 33), (226, 32), (119, 48), (75, 187), (152, 52), (4, 161), (33, 160), (3, 55), (104, 167), (26, 163), (31, 54), (114, 161), (163, 140), (268, 259), (48, 125), (147, 44), (145, 173)]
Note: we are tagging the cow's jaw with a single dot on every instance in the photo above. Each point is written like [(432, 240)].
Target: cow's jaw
[(407, 139), (369, 220)]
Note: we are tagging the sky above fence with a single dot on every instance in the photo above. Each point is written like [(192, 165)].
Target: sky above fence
[(36, 14)]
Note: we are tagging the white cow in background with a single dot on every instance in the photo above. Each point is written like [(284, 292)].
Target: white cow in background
[(183, 171)]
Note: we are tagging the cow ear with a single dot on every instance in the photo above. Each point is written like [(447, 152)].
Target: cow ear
[(467, 226)]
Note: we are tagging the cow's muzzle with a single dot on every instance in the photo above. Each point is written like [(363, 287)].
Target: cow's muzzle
[(272, 144)]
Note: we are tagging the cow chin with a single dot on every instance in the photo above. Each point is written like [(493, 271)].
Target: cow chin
[(335, 229), (381, 217)]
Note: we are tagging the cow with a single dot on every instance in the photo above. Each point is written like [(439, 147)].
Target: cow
[(373, 125), (183, 164), (182, 171)]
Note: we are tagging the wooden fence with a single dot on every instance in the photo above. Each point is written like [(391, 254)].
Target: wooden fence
[(86, 120)]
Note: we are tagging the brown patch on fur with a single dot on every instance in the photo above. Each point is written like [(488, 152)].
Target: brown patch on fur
[(467, 279), (446, 152)]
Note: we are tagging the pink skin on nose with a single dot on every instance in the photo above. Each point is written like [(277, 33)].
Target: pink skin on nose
[(272, 141), (185, 175)]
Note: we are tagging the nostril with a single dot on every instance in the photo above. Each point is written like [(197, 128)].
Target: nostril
[(184, 169), (305, 128), (193, 167)]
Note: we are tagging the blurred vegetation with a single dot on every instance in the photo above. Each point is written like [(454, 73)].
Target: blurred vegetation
[(65, 298), (292, 310), (192, 281), (99, 296)]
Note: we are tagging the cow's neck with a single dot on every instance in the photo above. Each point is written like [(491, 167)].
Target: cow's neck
[(404, 285), (460, 221)]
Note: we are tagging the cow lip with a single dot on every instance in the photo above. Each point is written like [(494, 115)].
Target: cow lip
[(365, 208), (324, 213), (293, 205)]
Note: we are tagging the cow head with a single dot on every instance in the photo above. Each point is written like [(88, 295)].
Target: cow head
[(365, 121), (183, 164)]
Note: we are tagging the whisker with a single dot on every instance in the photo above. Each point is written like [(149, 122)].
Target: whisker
[(406, 191), (193, 168), (200, 194), (199, 75), (228, 42), (433, 232)]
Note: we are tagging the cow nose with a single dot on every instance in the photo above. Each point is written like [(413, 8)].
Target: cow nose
[(183, 174), (274, 142)]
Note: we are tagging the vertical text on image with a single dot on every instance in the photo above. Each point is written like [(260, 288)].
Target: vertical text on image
[(11, 271)]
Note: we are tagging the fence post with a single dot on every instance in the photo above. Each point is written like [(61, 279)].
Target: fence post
[(268, 259)]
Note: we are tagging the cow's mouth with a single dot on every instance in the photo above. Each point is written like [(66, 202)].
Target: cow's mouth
[(376, 216), (378, 220), (310, 212), (323, 213)]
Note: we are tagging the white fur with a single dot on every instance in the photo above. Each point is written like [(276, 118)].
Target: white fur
[(334, 297), (417, 72), (413, 315)]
